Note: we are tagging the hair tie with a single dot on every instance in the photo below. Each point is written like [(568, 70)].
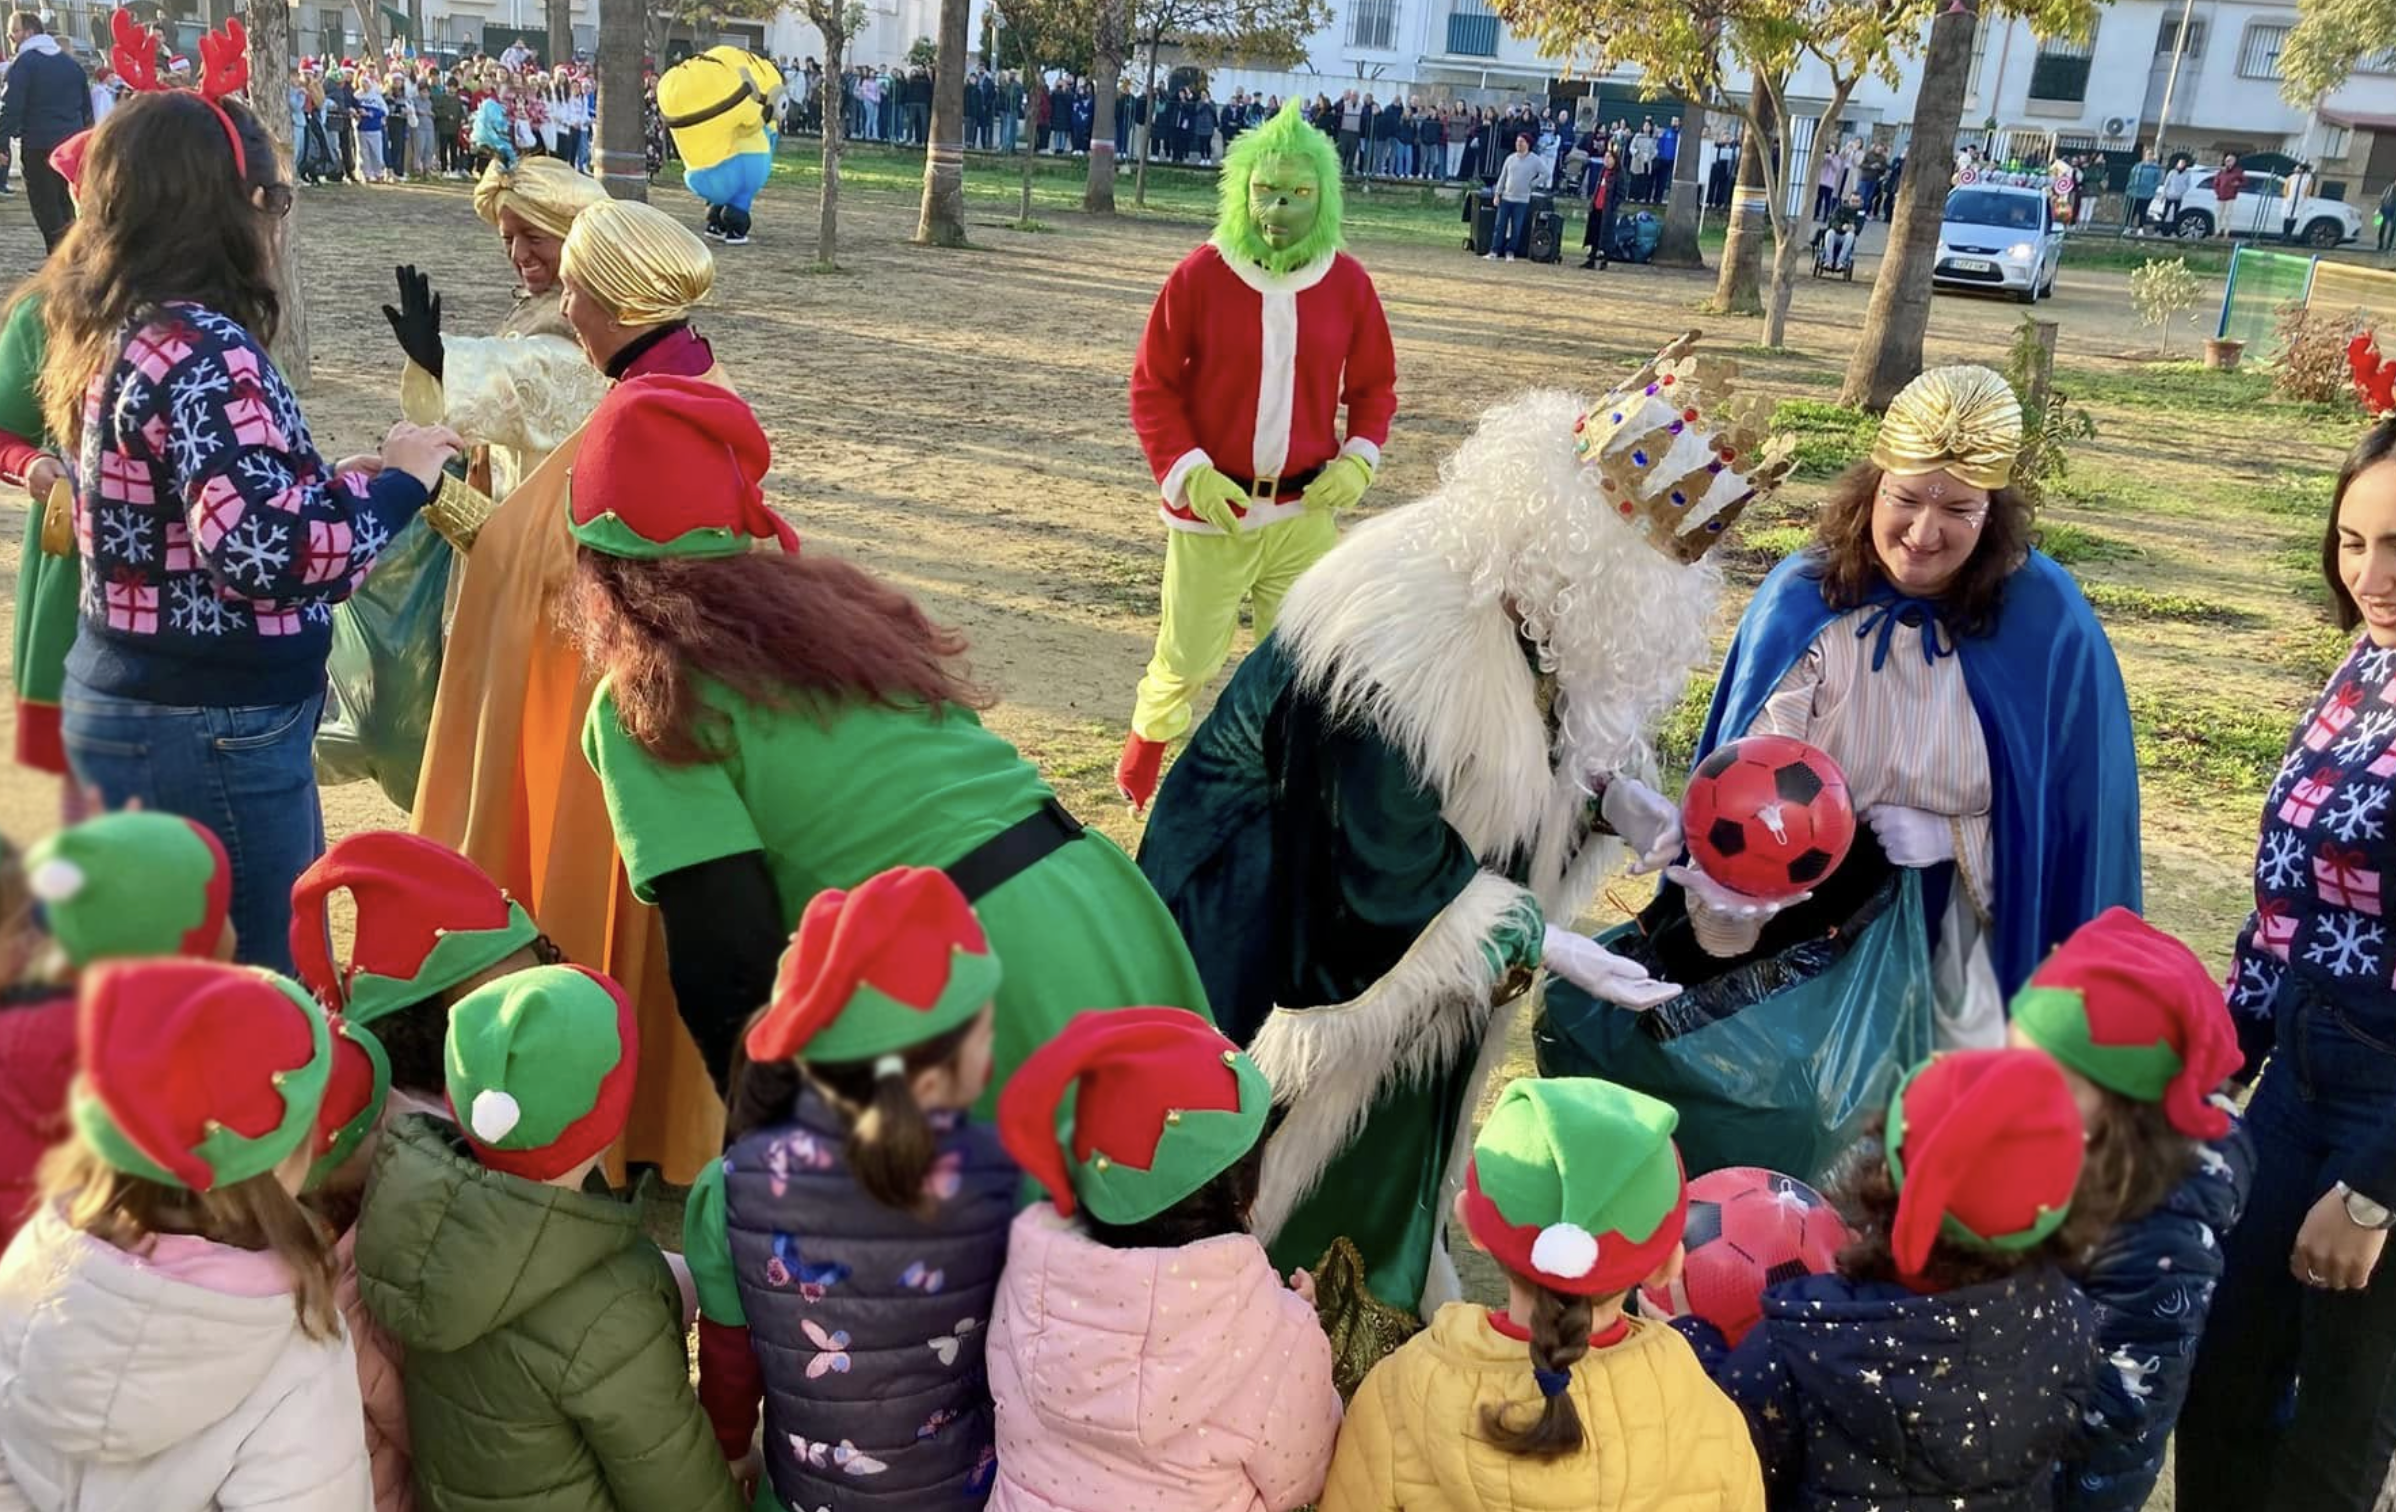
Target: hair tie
[(890, 1065), (1551, 1382)]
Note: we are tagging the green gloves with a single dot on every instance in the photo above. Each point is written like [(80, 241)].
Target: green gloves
[(1340, 484), (1211, 496), (1520, 938)]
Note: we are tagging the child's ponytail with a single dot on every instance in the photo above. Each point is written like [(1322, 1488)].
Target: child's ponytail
[(1559, 1337), (891, 1147)]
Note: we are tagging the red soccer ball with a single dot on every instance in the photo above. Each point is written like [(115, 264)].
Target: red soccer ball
[(1748, 1228), (1768, 816)]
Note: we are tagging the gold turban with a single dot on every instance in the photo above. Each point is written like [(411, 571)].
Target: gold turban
[(638, 261), (542, 190), (1961, 420)]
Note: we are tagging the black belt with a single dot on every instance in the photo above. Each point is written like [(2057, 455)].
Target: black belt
[(1273, 490), (1014, 850)]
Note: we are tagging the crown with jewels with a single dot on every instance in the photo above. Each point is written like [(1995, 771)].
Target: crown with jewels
[(1678, 453)]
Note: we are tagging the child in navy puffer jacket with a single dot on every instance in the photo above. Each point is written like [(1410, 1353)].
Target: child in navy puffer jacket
[(847, 1252), (2144, 1039), (1949, 1362)]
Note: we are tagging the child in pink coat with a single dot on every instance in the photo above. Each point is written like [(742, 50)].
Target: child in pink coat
[(1143, 1353)]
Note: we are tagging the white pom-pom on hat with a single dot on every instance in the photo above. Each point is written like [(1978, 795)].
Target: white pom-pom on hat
[(1566, 1250), (56, 880), (494, 1115)]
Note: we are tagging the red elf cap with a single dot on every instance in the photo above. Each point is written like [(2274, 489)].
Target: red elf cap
[(427, 919), (671, 466), (1162, 1104), (1984, 1148), (353, 1098), (896, 960), (2134, 1011)]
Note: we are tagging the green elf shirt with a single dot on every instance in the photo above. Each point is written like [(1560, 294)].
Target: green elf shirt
[(836, 794), (46, 583)]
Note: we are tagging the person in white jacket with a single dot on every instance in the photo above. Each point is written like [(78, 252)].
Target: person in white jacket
[(169, 1337)]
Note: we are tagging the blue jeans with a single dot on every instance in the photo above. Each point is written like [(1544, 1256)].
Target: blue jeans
[(249, 774), (2242, 1447), (1513, 234)]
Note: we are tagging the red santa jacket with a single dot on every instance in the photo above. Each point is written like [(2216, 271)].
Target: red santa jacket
[(1244, 371), (37, 1063)]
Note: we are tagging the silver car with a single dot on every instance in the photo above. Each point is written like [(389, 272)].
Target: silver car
[(1999, 237)]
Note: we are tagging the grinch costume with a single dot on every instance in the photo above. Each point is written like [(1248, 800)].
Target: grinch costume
[(1418, 770), (504, 782), (1256, 342)]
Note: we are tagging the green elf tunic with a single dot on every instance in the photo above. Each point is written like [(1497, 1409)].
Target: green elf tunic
[(835, 794), (46, 581)]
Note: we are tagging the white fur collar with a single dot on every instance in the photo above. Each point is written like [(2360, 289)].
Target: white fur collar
[(1296, 281)]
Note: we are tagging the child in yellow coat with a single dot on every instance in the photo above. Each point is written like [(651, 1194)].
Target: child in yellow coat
[(1576, 1191)]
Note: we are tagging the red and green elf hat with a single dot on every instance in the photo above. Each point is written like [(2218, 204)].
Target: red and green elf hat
[(896, 960), (1162, 1104), (540, 1069), (672, 467), (1984, 1147), (196, 1074), (427, 919), (133, 884), (1575, 1184), (353, 1097), (2134, 1011)]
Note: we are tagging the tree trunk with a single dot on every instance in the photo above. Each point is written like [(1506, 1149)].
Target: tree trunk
[(270, 75), (1889, 353), (1678, 246), (561, 32), (370, 31), (827, 224), (416, 24), (1735, 290), (1788, 241), (943, 221), (622, 157), (1029, 70), (1107, 49)]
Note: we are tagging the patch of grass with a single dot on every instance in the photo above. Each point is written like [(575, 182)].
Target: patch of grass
[(1829, 436), (1676, 736), (2073, 545), (2313, 652), (2206, 746), (1778, 541), (2295, 495), (2192, 393), (2121, 601), (2302, 559)]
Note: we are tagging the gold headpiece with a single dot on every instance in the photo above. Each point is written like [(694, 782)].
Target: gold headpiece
[(1961, 420), (1678, 453), (638, 261), (543, 190)]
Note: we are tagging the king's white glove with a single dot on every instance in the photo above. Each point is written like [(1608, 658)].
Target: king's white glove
[(1910, 836), (1736, 907), (1603, 974), (1648, 822)]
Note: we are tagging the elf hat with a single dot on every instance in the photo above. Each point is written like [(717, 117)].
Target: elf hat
[(1162, 1104), (353, 1097), (541, 1068), (196, 1074), (138, 883), (699, 434), (895, 961), (2134, 1011), (427, 919), (1575, 1184), (1984, 1147)]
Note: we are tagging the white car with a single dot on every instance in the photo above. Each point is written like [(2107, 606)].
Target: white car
[(2261, 211), (1999, 237)]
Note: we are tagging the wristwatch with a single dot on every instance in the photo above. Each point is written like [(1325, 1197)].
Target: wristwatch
[(2363, 1212)]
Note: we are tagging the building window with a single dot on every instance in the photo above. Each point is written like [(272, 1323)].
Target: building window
[(2061, 70), (2334, 141), (2381, 62), (2259, 54), (1472, 29), (2193, 50), (1375, 25)]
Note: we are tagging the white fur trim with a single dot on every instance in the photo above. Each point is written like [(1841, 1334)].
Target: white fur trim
[(56, 880), (493, 1116), (1565, 1249), (1177, 477), (1358, 446), (1329, 1063), (1296, 281), (1276, 382)]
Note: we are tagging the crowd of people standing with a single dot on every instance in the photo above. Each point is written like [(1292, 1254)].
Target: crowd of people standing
[(414, 119)]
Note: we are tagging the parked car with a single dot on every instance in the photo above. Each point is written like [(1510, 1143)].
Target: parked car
[(2000, 237), (2260, 212)]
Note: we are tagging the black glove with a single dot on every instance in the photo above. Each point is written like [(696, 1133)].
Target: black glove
[(417, 320)]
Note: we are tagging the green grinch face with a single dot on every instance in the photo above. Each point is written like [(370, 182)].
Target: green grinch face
[(1284, 198)]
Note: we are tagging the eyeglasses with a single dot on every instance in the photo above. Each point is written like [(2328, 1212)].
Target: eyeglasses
[(1967, 515), (275, 200)]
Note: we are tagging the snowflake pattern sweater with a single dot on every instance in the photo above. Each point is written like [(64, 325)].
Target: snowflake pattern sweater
[(215, 541)]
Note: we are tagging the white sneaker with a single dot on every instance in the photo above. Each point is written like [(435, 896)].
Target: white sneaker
[(741, 240), (1490, 256), (1509, 257)]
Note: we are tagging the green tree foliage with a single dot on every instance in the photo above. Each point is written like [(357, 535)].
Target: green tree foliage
[(2330, 38)]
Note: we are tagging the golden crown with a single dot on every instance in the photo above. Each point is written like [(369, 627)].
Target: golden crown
[(1679, 453)]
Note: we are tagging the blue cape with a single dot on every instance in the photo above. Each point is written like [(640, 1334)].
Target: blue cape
[(2061, 759)]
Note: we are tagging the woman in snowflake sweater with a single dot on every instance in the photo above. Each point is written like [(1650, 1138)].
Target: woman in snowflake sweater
[(214, 540), (2306, 1307)]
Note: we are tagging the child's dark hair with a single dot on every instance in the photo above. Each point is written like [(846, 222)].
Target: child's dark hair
[(1559, 1337), (2136, 1159), (891, 1144), (1866, 1198), (416, 1038), (1216, 1209)]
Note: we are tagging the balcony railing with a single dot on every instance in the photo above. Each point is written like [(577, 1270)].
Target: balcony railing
[(1473, 36)]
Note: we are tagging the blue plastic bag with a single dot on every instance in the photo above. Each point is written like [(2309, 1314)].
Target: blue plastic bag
[(1786, 1082)]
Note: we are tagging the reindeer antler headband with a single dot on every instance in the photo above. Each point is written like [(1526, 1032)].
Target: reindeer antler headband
[(2374, 376), (224, 70)]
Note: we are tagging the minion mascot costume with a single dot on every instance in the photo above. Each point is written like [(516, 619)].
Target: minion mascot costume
[(1256, 341), (720, 106)]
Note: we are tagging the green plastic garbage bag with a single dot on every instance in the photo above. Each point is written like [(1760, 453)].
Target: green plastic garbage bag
[(385, 668)]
